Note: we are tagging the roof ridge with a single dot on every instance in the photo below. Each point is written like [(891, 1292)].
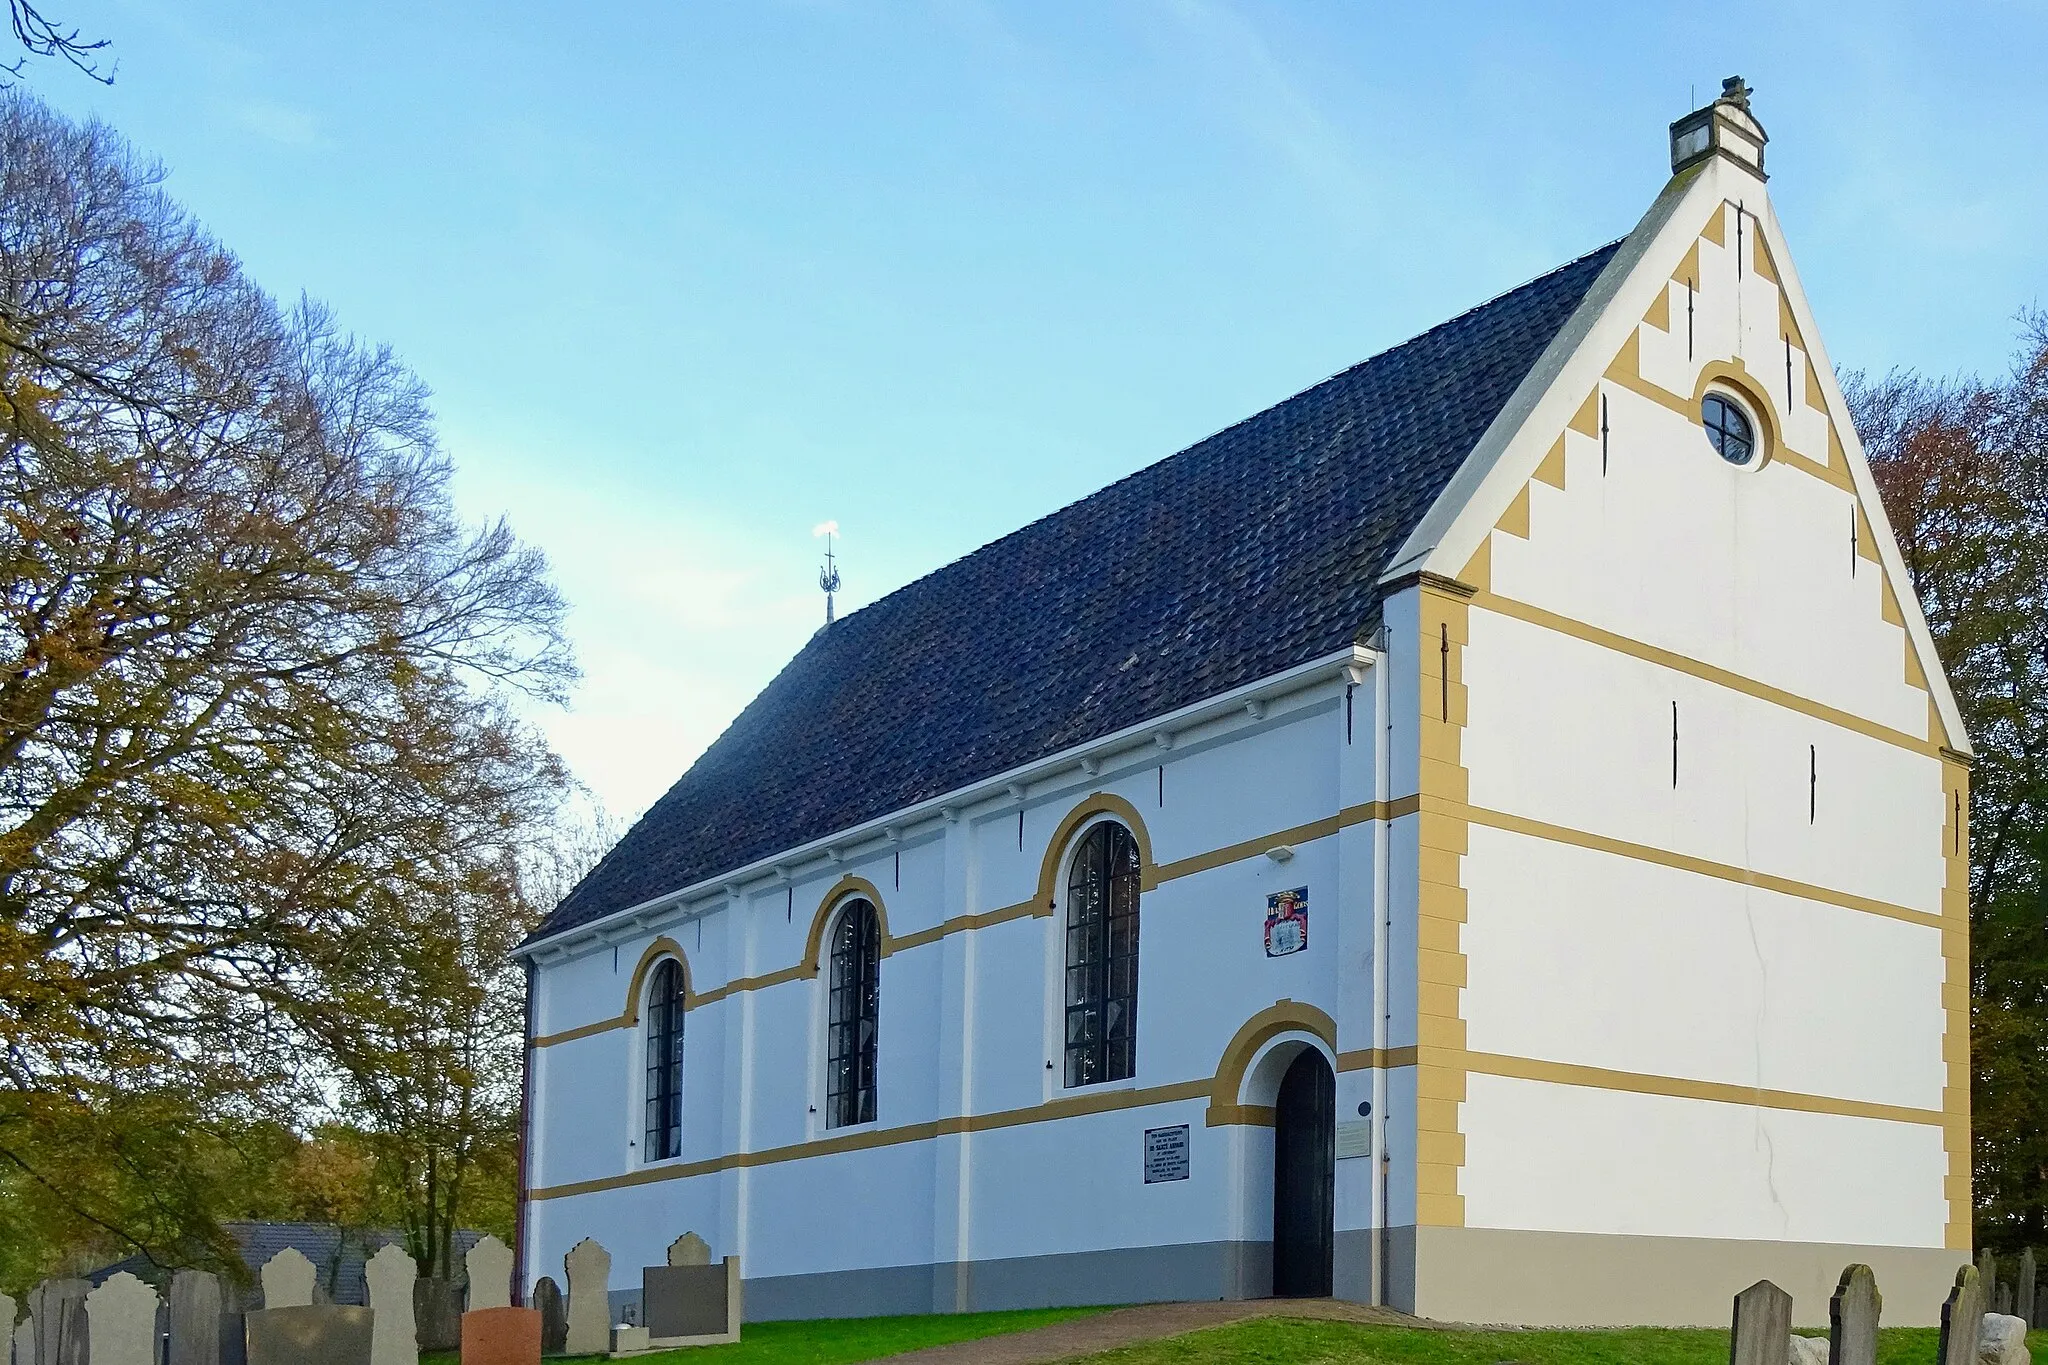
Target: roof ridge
[(1237, 557), (1201, 441)]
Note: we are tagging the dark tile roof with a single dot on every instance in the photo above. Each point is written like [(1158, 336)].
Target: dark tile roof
[(1244, 555)]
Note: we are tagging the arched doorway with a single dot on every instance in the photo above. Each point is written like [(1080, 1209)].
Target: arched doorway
[(1304, 1178)]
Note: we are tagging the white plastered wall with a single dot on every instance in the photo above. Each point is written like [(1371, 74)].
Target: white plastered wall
[(968, 1024), (1771, 919)]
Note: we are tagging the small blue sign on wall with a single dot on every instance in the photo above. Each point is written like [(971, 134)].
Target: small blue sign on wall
[(1287, 922)]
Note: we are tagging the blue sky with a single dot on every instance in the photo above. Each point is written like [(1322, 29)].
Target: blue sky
[(689, 279)]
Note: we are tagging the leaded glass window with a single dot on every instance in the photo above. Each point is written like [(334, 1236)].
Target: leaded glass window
[(852, 1001), (1102, 957), (665, 1062), (1728, 429)]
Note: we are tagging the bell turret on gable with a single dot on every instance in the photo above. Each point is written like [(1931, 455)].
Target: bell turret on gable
[(1724, 128)]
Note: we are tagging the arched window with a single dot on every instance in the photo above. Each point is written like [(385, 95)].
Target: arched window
[(665, 1062), (853, 995), (1102, 957)]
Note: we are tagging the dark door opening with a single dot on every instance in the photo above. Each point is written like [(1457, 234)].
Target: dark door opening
[(1304, 1178)]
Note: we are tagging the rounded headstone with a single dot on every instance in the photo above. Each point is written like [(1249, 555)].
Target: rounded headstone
[(554, 1316), (1962, 1318), (689, 1249), (1852, 1318)]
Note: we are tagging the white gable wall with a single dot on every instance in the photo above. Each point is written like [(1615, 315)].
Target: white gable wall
[(1715, 1006)]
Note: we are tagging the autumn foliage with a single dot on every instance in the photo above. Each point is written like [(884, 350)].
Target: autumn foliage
[(265, 803)]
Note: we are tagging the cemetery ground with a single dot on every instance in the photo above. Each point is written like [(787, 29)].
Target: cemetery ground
[(1266, 1340), (839, 1341)]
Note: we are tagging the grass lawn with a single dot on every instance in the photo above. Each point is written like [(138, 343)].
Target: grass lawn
[(839, 1341), (1271, 1341)]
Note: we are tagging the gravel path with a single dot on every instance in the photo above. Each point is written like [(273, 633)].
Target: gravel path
[(1145, 1322)]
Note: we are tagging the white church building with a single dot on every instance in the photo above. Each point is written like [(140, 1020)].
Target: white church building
[(1485, 835)]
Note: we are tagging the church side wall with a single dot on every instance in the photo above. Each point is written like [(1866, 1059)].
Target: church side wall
[(1713, 946), (985, 1182)]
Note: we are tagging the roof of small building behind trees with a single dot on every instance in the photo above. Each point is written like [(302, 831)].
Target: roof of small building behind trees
[(338, 1254), (1249, 553)]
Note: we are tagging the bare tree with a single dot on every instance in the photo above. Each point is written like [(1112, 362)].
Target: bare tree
[(43, 36)]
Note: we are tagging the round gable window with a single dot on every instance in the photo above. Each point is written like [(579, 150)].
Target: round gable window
[(1729, 429)]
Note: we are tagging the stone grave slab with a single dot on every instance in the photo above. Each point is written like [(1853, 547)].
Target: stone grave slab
[(589, 1267), (25, 1340), (195, 1318), (388, 1277), (1962, 1319), (121, 1316), (689, 1249), (501, 1336), (1762, 1331), (554, 1316), (490, 1274), (58, 1308), (1852, 1318), (288, 1280), (309, 1334), (437, 1314), (2026, 1298)]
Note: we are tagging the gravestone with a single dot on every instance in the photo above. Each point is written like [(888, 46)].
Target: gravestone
[(590, 1271), (12, 1333), (195, 1318), (689, 1249), (490, 1274), (74, 1333), (1987, 1276), (554, 1317), (2001, 1300), (1762, 1331), (2027, 1306), (60, 1331), (25, 1341), (1807, 1350), (288, 1280), (1852, 1318), (1962, 1319), (309, 1334), (501, 1336), (2002, 1341), (437, 1314), (122, 1317), (389, 1277)]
